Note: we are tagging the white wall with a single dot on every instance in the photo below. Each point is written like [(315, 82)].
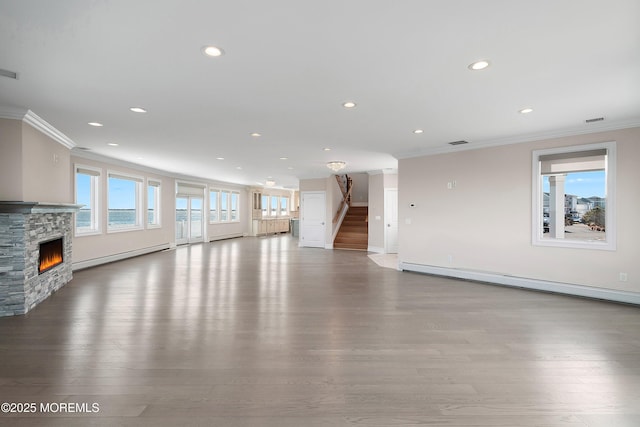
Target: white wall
[(484, 224)]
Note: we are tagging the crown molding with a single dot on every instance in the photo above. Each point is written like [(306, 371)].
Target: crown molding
[(539, 136), (38, 123)]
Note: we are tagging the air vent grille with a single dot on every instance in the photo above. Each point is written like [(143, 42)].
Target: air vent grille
[(461, 142), (10, 74), (596, 119)]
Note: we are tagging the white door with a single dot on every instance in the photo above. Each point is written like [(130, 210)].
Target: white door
[(391, 220), (189, 219), (313, 214)]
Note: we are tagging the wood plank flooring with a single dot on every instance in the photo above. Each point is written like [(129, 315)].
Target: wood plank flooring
[(259, 332)]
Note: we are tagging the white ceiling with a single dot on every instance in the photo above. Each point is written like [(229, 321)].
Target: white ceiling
[(290, 64)]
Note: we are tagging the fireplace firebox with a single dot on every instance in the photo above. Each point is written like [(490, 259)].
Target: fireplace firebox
[(51, 254)]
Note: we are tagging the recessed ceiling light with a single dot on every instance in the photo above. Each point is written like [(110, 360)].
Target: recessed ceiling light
[(138, 110), (290, 168), (239, 168), (418, 131), (212, 51), (113, 144), (219, 158), (327, 149), (479, 65), (255, 134), (349, 104), (284, 158), (96, 124), (525, 111)]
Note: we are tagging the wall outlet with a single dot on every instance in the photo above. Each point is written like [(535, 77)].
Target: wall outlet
[(623, 277)]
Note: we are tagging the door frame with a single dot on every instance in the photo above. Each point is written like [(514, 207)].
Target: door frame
[(188, 240), (387, 216)]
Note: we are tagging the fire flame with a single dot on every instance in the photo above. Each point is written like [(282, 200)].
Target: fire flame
[(50, 260)]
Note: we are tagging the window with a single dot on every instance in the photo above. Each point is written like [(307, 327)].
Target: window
[(153, 204), (235, 196), (574, 197), (274, 206), (265, 205), (124, 202), (213, 206), (284, 206), (224, 206), (88, 195)]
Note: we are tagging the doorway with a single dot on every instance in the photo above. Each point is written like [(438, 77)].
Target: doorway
[(189, 219)]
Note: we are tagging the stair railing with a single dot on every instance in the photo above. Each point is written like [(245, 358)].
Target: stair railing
[(345, 182)]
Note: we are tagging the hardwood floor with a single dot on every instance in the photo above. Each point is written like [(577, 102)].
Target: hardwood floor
[(259, 332)]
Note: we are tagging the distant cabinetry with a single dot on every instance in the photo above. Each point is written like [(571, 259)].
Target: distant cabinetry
[(270, 226)]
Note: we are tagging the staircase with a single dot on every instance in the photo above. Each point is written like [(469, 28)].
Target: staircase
[(354, 231)]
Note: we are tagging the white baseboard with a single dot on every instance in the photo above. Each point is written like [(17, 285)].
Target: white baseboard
[(328, 245), (375, 249), (118, 257), (225, 236), (523, 282)]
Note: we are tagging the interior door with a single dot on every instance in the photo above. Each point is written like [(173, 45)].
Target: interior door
[(391, 220), (313, 214)]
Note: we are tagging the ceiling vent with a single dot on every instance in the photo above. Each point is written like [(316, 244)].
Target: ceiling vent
[(458, 142), (10, 74), (597, 119)]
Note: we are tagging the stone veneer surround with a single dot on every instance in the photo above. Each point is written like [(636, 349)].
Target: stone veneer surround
[(23, 226)]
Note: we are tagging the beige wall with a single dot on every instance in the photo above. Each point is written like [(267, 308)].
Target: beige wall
[(33, 167), (103, 245), (376, 212), (11, 160), (45, 168), (484, 224), (360, 191), (108, 244)]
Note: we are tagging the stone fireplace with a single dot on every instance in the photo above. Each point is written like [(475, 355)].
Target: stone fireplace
[(35, 253)]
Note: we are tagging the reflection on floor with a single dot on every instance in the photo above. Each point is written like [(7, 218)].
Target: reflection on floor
[(385, 260)]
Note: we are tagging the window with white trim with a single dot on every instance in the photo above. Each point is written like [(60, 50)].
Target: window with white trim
[(214, 215), (265, 206), (273, 211), (153, 203), (87, 186), (574, 197), (235, 203), (284, 206), (124, 195), (224, 206)]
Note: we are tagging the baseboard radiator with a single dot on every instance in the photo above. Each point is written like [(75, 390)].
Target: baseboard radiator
[(526, 283)]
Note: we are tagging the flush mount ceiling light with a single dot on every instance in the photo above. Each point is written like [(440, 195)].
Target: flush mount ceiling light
[(255, 134), (112, 144), (270, 183), (526, 110), (479, 65), (219, 158), (336, 165), (284, 158), (349, 104), (327, 149), (418, 131), (138, 110), (95, 124), (212, 51)]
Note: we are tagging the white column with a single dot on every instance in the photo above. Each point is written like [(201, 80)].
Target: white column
[(556, 206)]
